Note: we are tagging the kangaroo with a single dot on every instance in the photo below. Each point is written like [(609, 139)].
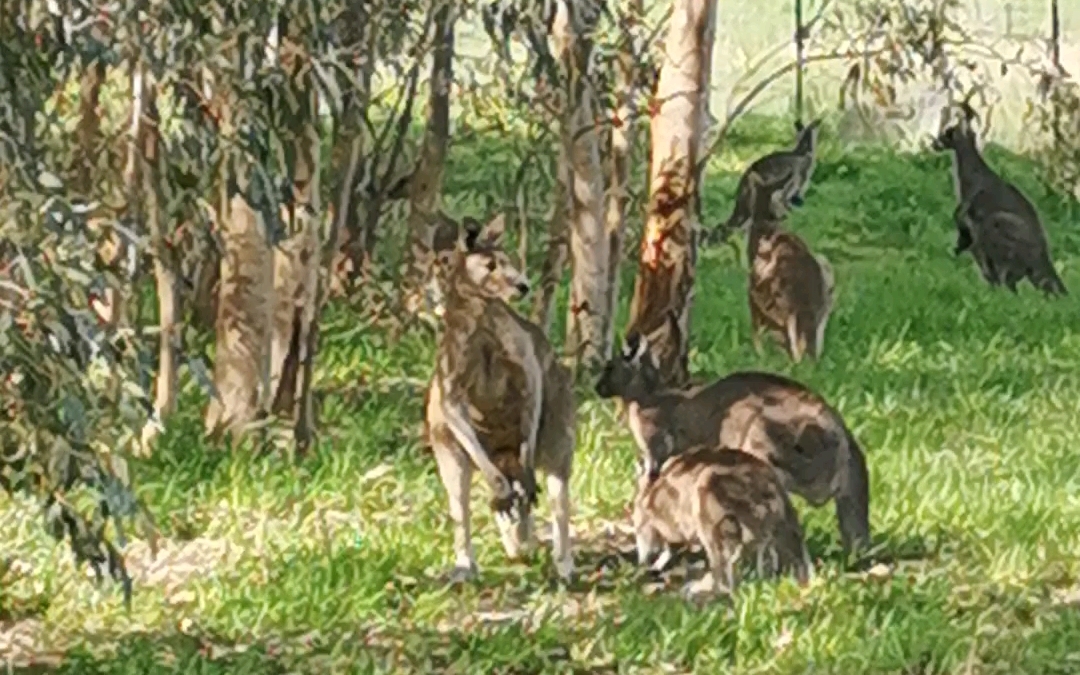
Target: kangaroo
[(730, 502), (790, 290), (772, 417), (497, 388), (787, 173), (994, 220)]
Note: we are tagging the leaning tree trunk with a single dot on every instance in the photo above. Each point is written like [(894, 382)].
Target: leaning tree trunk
[(621, 144), (165, 262), (425, 186), (663, 291), (586, 321), (297, 260)]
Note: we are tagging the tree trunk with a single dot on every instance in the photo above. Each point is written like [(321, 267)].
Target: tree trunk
[(425, 187), (586, 321), (557, 245), (620, 146), (89, 127), (111, 248), (165, 273), (663, 291), (358, 37), (244, 322), (296, 261)]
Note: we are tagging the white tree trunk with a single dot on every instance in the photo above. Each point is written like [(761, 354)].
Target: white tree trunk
[(586, 322)]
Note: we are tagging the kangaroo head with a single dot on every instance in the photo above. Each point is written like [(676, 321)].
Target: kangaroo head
[(766, 199), (630, 374), (958, 135), (479, 261), (806, 135)]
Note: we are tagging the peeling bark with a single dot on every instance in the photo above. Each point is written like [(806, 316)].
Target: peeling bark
[(663, 291)]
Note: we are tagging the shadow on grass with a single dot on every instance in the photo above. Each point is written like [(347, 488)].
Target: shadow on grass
[(490, 648)]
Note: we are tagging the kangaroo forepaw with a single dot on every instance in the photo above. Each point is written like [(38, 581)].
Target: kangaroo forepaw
[(527, 488), (505, 504)]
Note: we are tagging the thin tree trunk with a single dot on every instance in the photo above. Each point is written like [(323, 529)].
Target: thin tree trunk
[(586, 321), (165, 274), (296, 266), (426, 184), (621, 144), (355, 29), (557, 245), (88, 130), (663, 291)]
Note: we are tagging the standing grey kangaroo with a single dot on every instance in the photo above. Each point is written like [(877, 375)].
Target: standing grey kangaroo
[(769, 416), (787, 174), (498, 401), (790, 289), (994, 220)]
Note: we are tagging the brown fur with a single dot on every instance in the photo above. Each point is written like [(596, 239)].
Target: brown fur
[(769, 416), (497, 388), (730, 502), (790, 290)]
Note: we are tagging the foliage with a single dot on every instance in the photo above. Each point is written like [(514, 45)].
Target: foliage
[(889, 43), (73, 390), (1055, 112)]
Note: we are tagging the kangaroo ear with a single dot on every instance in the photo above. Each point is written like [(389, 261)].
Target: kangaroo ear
[(634, 347), (472, 230), (444, 258), (492, 233), (754, 180)]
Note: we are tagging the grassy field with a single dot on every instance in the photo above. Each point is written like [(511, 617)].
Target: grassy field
[(964, 399)]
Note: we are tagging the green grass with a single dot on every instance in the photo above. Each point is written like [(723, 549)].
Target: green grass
[(964, 399)]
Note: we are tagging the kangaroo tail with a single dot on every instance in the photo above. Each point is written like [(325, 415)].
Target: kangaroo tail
[(1047, 280), (853, 497)]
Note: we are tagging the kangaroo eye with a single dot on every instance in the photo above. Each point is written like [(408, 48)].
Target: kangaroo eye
[(491, 266)]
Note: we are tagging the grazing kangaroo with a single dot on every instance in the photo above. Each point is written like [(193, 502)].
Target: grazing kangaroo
[(786, 173), (498, 401), (994, 220), (790, 290), (769, 416), (729, 501)]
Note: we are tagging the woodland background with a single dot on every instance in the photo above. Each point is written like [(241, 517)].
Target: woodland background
[(155, 329)]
